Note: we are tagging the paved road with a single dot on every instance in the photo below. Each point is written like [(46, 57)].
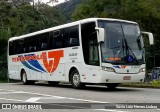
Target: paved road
[(64, 93)]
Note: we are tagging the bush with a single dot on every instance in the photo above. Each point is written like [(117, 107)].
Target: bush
[(3, 74), (155, 83)]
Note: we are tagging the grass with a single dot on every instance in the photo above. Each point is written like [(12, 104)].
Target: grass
[(10, 81), (156, 83), (152, 84)]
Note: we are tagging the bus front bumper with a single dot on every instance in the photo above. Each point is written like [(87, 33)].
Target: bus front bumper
[(112, 77)]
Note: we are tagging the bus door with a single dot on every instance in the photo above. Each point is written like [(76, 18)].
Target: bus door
[(90, 50)]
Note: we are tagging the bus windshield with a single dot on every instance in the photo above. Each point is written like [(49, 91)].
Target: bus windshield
[(123, 43)]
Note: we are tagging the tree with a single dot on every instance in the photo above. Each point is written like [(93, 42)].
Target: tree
[(53, 15), (68, 7)]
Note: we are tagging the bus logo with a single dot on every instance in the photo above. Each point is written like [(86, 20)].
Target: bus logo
[(50, 65), (50, 61)]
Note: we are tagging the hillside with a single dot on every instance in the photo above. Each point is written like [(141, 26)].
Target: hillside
[(68, 7)]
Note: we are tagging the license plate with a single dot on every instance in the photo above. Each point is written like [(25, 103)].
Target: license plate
[(127, 78)]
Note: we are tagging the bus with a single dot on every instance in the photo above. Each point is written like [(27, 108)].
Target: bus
[(89, 51)]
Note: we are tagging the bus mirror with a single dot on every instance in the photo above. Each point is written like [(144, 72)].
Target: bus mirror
[(101, 34), (150, 36)]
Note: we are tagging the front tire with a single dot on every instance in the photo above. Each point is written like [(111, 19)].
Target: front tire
[(75, 80)]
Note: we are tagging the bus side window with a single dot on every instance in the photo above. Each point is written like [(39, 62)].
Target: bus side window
[(43, 41), (58, 38), (32, 44), (43, 46), (26, 46), (74, 36), (71, 36), (16, 47), (20, 46), (52, 43), (11, 48), (32, 48)]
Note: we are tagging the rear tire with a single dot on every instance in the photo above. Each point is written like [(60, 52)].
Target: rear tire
[(75, 80), (24, 78), (112, 85)]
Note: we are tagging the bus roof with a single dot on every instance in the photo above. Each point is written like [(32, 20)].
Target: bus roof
[(67, 25)]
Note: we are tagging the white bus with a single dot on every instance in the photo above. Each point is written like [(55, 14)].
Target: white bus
[(90, 51)]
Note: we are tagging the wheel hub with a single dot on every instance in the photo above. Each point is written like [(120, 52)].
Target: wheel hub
[(76, 79)]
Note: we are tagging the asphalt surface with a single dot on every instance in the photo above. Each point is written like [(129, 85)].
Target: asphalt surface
[(64, 98)]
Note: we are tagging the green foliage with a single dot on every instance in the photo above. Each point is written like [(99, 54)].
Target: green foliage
[(5, 33), (23, 18), (152, 84), (68, 7), (51, 14), (155, 83)]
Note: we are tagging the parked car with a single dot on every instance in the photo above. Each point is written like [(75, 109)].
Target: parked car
[(155, 73)]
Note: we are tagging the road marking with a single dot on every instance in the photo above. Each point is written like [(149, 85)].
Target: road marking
[(67, 97), (64, 105), (17, 100), (35, 99), (40, 94), (11, 99), (15, 92), (6, 90)]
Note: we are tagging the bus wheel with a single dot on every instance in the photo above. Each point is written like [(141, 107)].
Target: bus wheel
[(53, 83), (24, 78), (75, 80), (112, 85)]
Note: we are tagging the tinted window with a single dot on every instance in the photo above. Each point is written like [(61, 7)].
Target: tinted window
[(43, 41), (20, 46), (16, 47), (66, 37), (11, 48), (71, 36), (58, 39)]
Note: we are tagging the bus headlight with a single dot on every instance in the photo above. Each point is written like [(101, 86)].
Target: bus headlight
[(142, 70), (109, 69)]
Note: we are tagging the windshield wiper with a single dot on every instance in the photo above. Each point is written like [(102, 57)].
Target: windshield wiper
[(128, 48)]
